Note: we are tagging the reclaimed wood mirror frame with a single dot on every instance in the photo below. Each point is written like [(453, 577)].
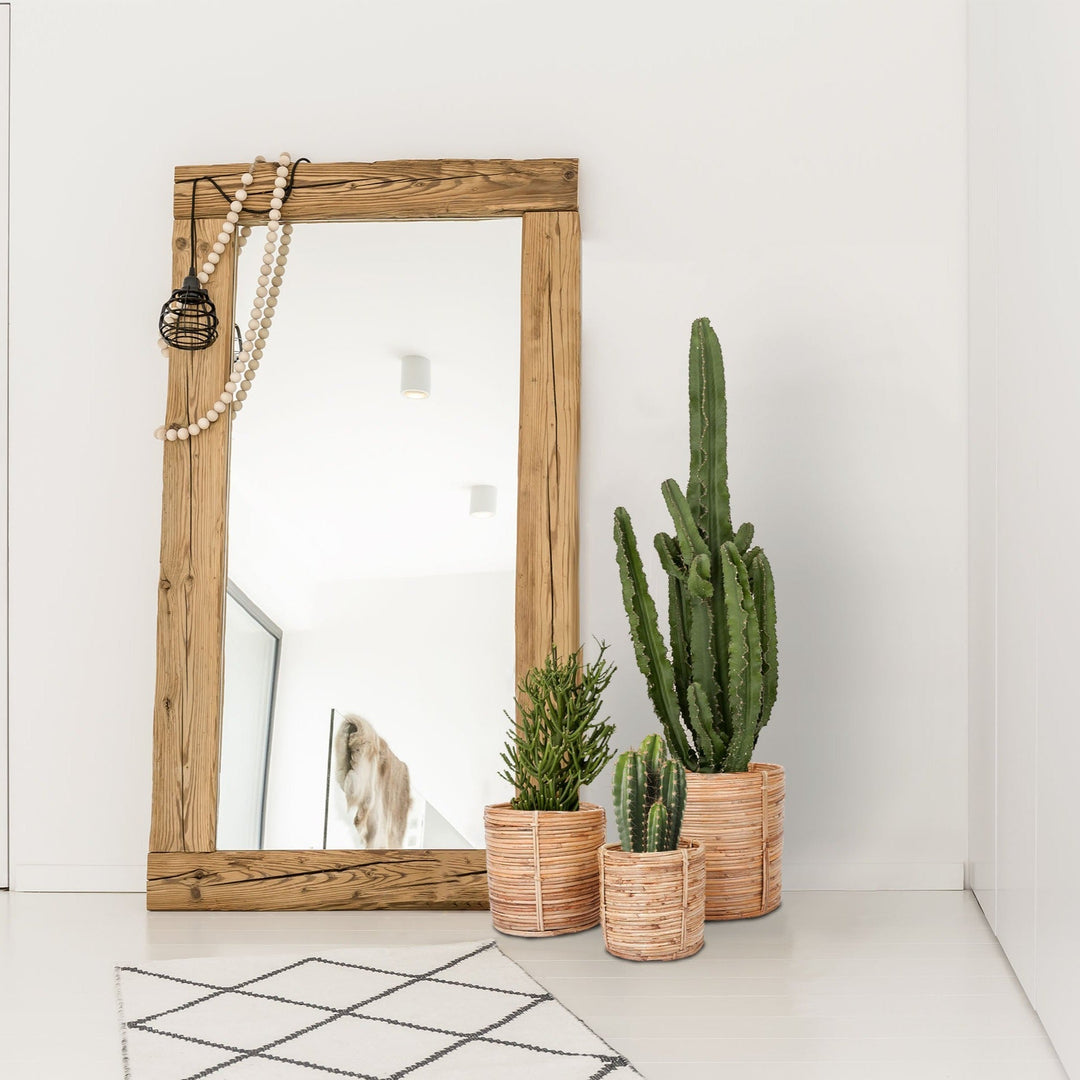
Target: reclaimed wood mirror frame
[(184, 869)]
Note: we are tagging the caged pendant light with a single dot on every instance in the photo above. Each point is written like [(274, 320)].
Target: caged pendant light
[(189, 319)]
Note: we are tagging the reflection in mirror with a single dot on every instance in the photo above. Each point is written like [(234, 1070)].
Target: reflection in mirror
[(372, 525)]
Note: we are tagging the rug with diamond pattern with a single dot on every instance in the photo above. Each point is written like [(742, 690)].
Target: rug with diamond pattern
[(424, 1012)]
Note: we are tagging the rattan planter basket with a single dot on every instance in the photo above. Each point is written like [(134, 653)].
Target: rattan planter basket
[(542, 873), (652, 903), (739, 817)]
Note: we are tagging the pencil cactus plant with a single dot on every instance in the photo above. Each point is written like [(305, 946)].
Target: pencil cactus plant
[(557, 744), (716, 689), (649, 792)]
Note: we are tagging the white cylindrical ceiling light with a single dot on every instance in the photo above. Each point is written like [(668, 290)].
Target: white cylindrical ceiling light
[(415, 377), (482, 501)]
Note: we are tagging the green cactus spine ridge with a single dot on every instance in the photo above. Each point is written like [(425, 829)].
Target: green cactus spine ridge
[(716, 689), (649, 794), (656, 838)]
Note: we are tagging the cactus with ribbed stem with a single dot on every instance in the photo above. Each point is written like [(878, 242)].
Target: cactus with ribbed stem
[(649, 791), (716, 689)]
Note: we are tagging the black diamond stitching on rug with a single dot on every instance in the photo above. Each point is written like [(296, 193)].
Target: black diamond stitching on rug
[(609, 1062)]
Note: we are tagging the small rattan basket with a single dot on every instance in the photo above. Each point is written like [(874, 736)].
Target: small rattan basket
[(652, 903), (543, 877), (739, 817)]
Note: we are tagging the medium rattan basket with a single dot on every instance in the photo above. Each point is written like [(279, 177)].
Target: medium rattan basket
[(739, 817), (542, 872), (652, 903)]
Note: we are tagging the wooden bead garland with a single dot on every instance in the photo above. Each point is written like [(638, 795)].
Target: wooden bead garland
[(275, 256)]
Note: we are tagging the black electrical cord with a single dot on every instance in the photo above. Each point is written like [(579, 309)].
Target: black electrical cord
[(229, 198)]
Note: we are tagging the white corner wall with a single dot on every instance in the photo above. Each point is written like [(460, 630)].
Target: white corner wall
[(794, 170), (1025, 513)]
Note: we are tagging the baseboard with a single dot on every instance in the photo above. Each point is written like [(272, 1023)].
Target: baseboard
[(61, 877), (872, 877), (798, 877)]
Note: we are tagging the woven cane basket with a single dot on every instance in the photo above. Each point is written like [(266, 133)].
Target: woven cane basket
[(739, 817), (543, 877), (653, 902)]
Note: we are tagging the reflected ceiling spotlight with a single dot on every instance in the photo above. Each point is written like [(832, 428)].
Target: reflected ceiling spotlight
[(482, 501), (415, 377)]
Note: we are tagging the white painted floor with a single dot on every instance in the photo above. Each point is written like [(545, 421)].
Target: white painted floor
[(873, 986)]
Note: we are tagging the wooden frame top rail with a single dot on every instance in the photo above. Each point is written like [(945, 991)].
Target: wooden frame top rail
[(391, 190)]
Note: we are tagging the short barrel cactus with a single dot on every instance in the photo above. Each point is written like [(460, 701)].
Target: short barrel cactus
[(649, 792)]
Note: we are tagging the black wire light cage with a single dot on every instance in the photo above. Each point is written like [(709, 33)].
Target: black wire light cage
[(189, 319)]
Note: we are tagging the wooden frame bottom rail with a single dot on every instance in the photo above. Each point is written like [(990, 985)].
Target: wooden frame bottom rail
[(344, 880)]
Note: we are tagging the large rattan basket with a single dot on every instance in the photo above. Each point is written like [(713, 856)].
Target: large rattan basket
[(542, 872), (739, 817), (653, 902)]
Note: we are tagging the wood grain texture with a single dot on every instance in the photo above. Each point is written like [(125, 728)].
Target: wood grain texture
[(191, 585), (389, 190), (316, 880), (549, 437)]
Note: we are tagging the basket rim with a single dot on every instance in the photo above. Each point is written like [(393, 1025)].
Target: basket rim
[(583, 808), (615, 850), (753, 765)]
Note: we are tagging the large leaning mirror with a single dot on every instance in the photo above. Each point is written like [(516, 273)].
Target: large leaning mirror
[(358, 566), (369, 620)]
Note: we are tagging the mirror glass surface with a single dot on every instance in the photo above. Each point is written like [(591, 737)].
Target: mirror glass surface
[(369, 637)]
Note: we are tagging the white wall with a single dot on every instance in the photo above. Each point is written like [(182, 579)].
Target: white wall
[(793, 169), (1025, 524), (429, 662)]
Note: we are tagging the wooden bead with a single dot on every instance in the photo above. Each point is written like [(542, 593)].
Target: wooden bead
[(237, 406), (230, 387), (274, 215), (193, 429), (283, 157), (159, 433), (246, 179), (227, 227), (245, 384), (239, 395), (203, 276), (253, 365), (276, 203), (208, 269), (232, 217), (219, 407), (182, 434), (213, 257), (203, 423), (263, 334), (263, 279), (171, 435), (249, 335), (235, 207), (241, 195), (225, 397), (245, 231), (282, 170), (219, 246), (287, 229)]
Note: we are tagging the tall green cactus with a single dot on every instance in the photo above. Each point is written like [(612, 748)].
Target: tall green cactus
[(649, 792), (716, 690)]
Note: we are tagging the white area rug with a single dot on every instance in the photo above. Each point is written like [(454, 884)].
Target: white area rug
[(426, 1013)]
